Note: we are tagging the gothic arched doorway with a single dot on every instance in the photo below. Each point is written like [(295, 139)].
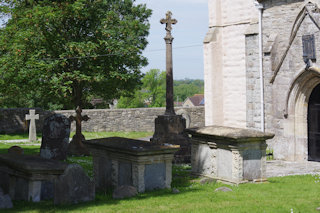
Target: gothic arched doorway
[(314, 125)]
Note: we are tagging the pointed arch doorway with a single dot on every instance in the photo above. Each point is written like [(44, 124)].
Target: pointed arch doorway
[(314, 125)]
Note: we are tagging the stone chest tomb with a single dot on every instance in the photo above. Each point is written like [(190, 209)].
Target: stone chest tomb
[(27, 177), (229, 154), (122, 161)]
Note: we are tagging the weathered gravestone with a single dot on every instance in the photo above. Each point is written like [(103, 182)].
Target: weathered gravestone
[(169, 128), (55, 137), (32, 125), (73, 186)]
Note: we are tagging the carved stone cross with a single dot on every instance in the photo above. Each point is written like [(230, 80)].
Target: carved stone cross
[(78, 119), (32, 126), (76, 146), (168, 21), (169, 77)]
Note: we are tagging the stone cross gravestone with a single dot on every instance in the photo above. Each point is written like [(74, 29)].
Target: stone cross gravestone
[(76, 146), (55, 137), (32, 126)]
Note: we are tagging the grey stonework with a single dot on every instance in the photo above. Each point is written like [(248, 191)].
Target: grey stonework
[(73, 186), (253, 82), (229, 154), (123, 161), (55, 137), (287, 82), (139, 119), (28, 177), (13, 120)]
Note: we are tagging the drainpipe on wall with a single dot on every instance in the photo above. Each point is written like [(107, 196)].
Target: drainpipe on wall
[(260, 8)]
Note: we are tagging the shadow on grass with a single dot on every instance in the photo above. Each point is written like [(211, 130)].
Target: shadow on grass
[(181, 180), (101, 201)]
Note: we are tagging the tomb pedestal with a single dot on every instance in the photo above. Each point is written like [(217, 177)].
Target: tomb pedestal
[(229, 154), (170, 129), (29, 178), (122, 161)]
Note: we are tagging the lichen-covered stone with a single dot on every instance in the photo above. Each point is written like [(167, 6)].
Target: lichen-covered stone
[(73, 186), (55, 137)]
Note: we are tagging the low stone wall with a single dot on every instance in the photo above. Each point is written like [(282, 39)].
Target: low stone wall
[(138, 119), (111, 120), (14, 120)]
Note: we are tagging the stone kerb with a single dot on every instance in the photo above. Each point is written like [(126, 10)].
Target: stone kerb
[(122, 161), (229, 154)]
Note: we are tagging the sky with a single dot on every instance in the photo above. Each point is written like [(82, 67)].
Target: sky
[(188, 33)]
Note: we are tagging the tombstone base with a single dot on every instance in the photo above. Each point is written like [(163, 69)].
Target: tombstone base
[(170, 129), (77, 148)]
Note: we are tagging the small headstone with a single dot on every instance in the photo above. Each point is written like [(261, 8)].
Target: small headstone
[(175, 191), (55, 137), (73, 186), (17, 150), (122, 192), (207, 180), (223, 189), (5, 201), (32, 126)]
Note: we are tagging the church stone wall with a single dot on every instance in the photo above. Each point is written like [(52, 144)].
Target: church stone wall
[(232, 87), (290, 142), (225, 61), (253, 82)]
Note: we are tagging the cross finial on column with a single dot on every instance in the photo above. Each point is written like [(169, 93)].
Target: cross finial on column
[(169, 22)]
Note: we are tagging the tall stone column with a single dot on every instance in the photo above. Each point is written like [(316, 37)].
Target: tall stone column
[(169, 128), (169, 76)]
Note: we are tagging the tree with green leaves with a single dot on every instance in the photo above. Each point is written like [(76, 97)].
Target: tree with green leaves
[(59, 52), (187, 88), (152, 92), (154, 88)]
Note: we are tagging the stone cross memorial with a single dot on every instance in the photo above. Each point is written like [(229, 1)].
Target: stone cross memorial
[(169, 128), (76, 146), (169, 77), (32, 126)]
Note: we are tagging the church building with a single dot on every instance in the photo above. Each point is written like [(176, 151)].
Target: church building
[(262, 71)]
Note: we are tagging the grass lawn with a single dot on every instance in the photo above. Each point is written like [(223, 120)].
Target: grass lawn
[(299, 193), (88, 135)]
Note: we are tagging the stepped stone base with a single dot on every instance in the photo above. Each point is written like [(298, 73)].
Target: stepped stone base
[(169, 129)]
